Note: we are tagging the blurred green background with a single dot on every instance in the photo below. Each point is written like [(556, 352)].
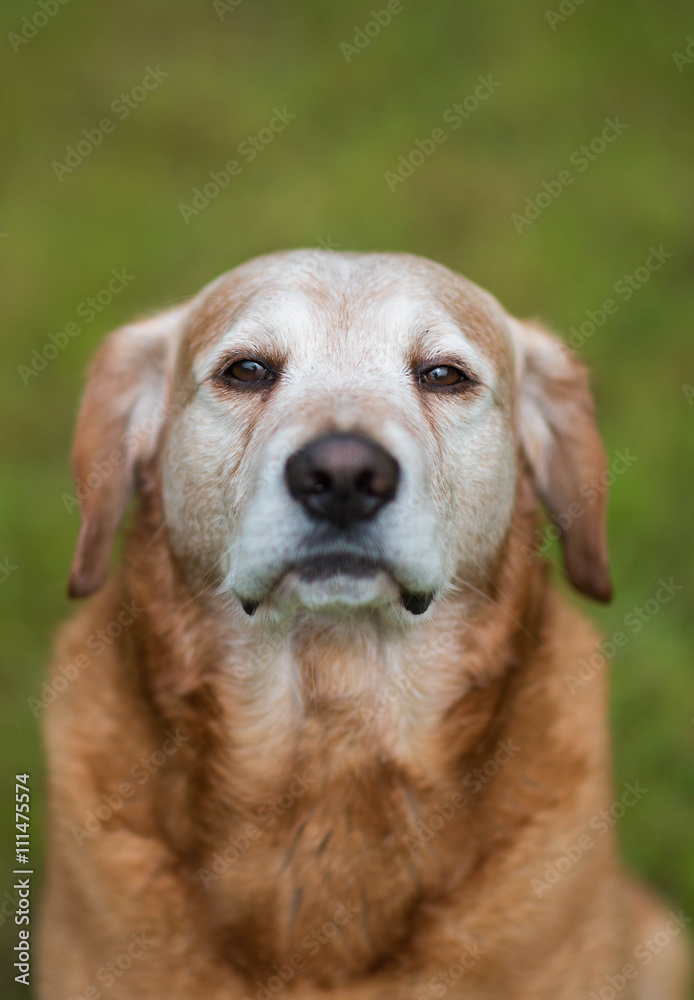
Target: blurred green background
[(322, 181)]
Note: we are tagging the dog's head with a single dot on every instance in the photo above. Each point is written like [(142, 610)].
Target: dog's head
[(338, 431)]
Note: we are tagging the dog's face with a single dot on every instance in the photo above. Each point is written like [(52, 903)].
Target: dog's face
[(345, 433), (339, 433)]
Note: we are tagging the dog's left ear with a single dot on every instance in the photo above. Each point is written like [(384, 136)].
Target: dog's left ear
[(561, 442), (118, 429)]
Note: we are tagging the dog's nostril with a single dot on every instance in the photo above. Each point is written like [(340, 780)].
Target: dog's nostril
[(342, 478), (365, 481), (321, 483)]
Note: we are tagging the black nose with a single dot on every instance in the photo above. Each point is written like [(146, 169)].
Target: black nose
[(342, 478)]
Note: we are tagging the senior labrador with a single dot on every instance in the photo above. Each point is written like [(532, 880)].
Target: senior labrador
[(317, 736)]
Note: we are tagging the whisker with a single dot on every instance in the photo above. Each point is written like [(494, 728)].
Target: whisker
[(503, 610)]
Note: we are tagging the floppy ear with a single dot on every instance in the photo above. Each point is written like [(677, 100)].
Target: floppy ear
[(118, 428), (560, 439)]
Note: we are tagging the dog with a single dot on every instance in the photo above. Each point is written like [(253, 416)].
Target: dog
[(316, 733)]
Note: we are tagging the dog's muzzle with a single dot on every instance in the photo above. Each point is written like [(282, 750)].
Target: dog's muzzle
[(343, 480)]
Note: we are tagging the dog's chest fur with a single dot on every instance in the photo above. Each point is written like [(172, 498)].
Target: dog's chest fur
[(324, 874), (316, 853)]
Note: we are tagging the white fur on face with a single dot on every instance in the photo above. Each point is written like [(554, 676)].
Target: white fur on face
[(345, 327)]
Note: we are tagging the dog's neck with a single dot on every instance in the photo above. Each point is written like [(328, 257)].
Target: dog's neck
[(316, 727)]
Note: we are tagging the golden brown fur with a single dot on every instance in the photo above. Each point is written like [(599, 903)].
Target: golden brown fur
[(335, 799)]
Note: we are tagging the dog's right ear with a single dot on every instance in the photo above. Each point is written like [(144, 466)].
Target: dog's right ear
[(118, 428)]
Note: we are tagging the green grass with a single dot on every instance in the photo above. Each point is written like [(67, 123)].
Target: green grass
[(323, 178)]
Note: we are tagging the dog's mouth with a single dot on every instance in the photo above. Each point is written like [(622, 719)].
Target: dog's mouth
[(329, 567), (323, 567)]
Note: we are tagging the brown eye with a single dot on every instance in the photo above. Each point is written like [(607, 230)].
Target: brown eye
[(443, 375), (247, 370)]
